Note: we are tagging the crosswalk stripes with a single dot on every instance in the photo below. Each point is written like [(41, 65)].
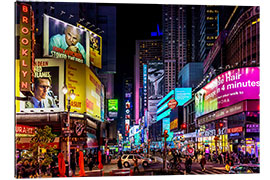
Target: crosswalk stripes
[(208, 171)]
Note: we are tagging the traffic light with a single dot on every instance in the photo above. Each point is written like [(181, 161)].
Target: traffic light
[(221, 125), (184, 126), (166, 134)]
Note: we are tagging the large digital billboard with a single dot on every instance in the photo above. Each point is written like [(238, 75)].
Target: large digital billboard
[(227, 89), (63, 40), (48, 81)]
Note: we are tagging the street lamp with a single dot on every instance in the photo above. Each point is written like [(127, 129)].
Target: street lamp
[(70, 95), (149, 146)]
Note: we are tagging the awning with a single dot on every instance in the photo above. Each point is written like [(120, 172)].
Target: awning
[(24, 144)]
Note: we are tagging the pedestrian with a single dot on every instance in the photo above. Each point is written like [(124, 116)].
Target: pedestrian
[(73, 165), (119, 163), (196, 155), (202, 163), (90, 163), (136, 166), (188, 164)]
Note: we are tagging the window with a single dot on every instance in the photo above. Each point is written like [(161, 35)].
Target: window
[(130, 157)]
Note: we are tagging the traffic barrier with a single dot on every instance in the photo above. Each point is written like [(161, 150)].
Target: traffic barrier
[(121, 172), (95, 173)]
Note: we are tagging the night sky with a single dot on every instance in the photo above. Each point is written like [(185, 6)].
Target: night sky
[(134, 22)]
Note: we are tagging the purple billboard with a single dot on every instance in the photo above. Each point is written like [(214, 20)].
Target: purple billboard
[(227, 89)]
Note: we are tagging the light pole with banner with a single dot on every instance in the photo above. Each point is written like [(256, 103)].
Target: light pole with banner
[(70, 96)]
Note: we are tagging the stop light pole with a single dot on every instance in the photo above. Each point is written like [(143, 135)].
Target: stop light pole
[(165, 135)]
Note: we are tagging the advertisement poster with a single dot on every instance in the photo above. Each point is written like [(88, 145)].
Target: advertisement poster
[(102, 103), (182, 95), (93, 91), (227, 89), (155, 84), (95, 48), (112, 107), (47, 95), (63, 40), (75, 80)]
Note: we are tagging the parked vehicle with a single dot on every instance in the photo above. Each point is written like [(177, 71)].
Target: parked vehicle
[(244, 169), (127, 160)]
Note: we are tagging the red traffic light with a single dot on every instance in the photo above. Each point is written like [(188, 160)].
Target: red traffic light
[(166, 131), (184, 126), (221, 125)]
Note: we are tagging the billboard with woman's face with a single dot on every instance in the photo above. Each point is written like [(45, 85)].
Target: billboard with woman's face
[(63, 40)]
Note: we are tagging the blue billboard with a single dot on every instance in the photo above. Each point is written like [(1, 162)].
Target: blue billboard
[(182, 95)]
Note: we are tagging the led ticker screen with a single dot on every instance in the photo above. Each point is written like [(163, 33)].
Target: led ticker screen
[(227, 89)]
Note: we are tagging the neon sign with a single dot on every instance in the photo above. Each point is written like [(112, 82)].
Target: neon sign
[(26, 45)]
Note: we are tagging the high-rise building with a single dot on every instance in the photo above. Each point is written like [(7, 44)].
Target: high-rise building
[(180, 40), (146, 51), (209, 29)]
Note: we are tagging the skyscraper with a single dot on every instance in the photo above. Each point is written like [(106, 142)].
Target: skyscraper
[(180, 41), (209, 29), (146, 51)]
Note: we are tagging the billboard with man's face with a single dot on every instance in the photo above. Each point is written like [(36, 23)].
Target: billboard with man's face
[(47, 95), (63, 40)]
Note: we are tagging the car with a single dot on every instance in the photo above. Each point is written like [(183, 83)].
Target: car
[(244, 169), (127, 160), (155, 159)]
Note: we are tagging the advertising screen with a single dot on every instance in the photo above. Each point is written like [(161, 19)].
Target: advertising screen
[(75, 80), (113, 107), (95, 49), (63, 40), (227, 89), (182, 95), (48, 81), (93, 91)]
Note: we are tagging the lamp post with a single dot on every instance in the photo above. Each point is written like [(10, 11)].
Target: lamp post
[(149, 146), (70, 95)]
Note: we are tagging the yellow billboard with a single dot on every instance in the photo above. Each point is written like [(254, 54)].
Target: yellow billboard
[(93, 92), (75, 80), (95, 49)]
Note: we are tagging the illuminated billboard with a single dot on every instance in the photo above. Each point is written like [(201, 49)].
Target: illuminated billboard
[(26, 48), (95, 48), (227, 89), (155, 86), (182, 95), (63, 40), (113, 107), (75, 80), (48, 81), (93, 91)]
